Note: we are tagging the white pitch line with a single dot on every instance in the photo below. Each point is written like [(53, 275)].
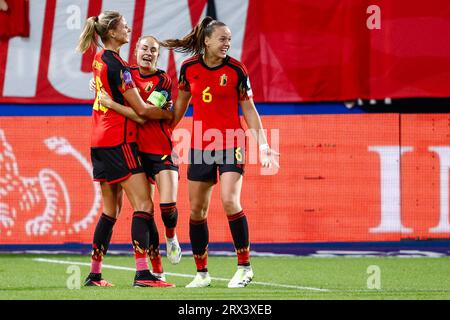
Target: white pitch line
[(108, 266)]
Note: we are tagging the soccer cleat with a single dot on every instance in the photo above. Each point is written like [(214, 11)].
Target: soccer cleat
[(241, 278), (201, 280), (173, 250), (144, 278), (95, 280), (161, 276)]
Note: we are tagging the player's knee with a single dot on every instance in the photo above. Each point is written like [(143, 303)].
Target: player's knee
[(230, 205), (145, 206), (198, 212)]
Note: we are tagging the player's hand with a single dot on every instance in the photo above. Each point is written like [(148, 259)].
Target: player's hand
[(105, 99), (268, 157), (168, 105), (92, 84)]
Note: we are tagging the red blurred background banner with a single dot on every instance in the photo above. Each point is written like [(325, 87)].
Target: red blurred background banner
[(331, 185), (295, 50), (15, 20)]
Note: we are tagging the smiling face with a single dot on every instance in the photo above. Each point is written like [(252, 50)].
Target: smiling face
[(147, 53), (121, 32), (218, 44)]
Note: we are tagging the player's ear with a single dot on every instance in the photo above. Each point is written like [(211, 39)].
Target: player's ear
[(111, 34), (207, 41), (136, 49)]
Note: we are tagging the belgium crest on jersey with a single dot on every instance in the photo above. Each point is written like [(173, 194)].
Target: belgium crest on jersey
[(223, 80), (149, 86)]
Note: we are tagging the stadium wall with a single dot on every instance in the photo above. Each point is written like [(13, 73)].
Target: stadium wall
[(345, 176)]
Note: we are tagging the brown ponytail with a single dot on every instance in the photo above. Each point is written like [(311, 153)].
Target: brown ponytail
[(194, 42), (98, 26)]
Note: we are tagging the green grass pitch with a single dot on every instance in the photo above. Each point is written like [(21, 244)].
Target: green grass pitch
[(29, 277)]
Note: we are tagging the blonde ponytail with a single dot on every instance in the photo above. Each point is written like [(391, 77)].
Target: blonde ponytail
[(98, 26), (88, 37)]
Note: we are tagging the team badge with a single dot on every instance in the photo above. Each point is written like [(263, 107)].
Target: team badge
[(223, 80), (127, 80), (149, 86)]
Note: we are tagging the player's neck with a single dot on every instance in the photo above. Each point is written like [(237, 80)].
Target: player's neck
[(113, 46), (212, 61), (147, 71)]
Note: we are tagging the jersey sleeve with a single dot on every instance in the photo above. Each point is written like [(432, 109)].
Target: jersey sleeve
[(244, 87), (165, 86), (120, 77), (183, 83)]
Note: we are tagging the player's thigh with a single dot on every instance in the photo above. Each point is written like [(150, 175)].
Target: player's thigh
[(199, 198), (167, 181), (138, 192)]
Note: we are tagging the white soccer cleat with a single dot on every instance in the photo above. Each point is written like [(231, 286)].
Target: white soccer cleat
[(173, 250), (201, 280), (160, 276), (241, 278)]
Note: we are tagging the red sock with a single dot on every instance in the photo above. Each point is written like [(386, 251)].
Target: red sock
[(140, 256), (156, 261), (201, 261), (170, 233), (96, 261), (243, 256)]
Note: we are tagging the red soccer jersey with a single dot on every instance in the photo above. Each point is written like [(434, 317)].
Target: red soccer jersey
[(109, 128), (216, 93), (154, 136)]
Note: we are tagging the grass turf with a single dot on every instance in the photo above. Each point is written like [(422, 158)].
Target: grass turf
[(276, 278)]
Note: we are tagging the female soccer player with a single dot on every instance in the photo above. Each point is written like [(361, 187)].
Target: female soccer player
[(217, 83), (114, 151), (154, 141)]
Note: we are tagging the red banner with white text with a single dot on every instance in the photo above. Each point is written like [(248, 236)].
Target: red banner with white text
[(295, 50)]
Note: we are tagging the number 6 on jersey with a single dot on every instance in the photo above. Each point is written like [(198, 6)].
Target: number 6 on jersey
[(206, 95)]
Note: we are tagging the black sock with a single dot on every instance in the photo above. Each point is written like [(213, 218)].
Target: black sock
[(199, 235), (169, 214), (239, 230), (153, 238), (102, 236), (140, 234)]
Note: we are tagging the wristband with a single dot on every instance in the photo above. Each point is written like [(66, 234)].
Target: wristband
[(264, 147)]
